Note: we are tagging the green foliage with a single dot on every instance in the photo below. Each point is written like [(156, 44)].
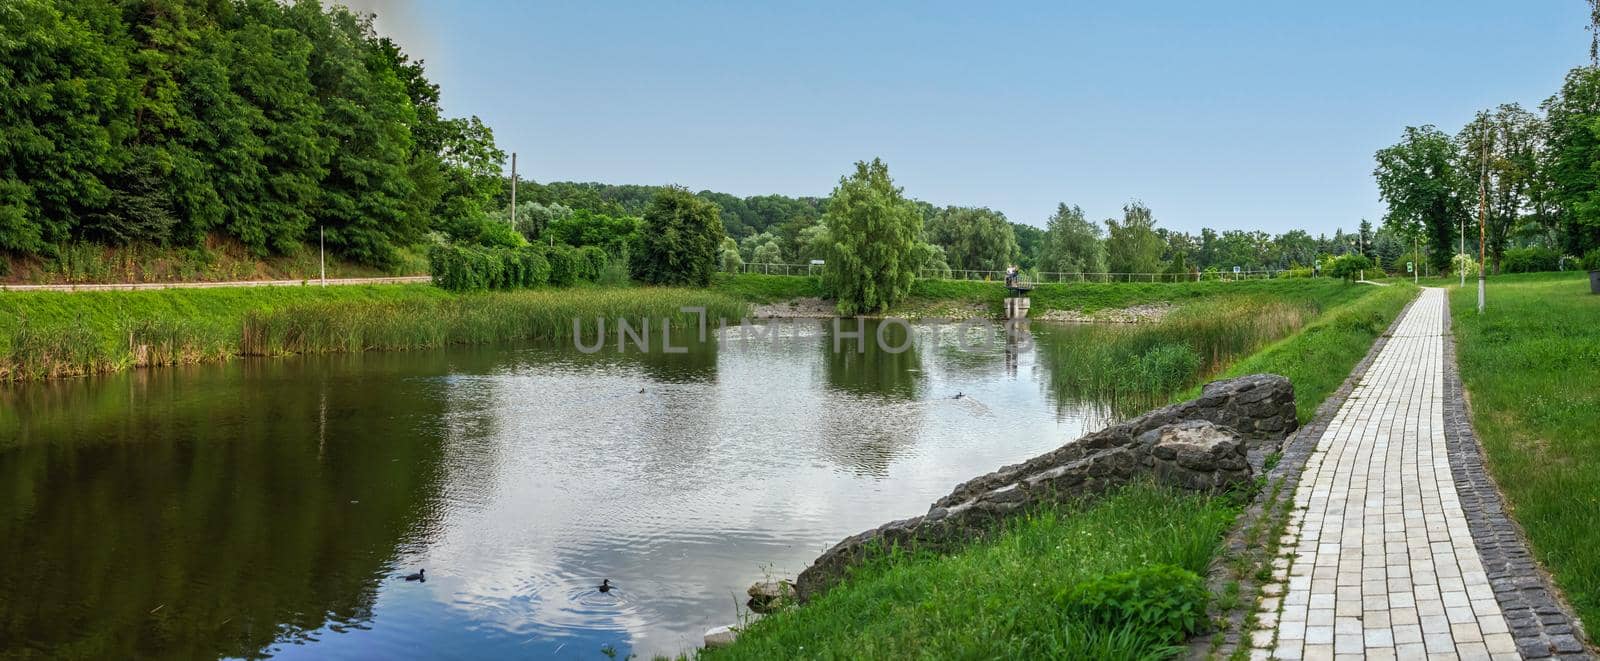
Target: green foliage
[(1574, 150), (261, 121), (1132, 245), (1349, 266), (613, 234), (732, 261), (977, 239), (1591, 260), (1531, 259), (874, 230), (1418, 178), (680, 241), (1161, 601), (474, 268)]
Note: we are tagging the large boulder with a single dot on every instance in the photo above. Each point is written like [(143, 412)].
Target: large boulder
[(1199, 445), (1198, 455)]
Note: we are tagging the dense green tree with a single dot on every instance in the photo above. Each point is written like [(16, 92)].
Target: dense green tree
[(614, 234), (1294, 248), (730, 259), (1364, 238), (1071, 244), (1419, 180), (64, 111), (1573, 115), (874, 228), (680, 239), (976, 239), (1030, 241), (1132, 245)]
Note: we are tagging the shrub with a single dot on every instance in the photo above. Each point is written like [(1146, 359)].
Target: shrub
[(1163, 601), (1531, 259), (1348, 266), (563, 265), (680, 239), (1298, 272), (1591, 260), (475, 268), (591, 262)]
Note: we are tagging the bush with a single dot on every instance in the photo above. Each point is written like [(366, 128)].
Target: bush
[(563, 265), (1298, 272), (1463, 260), (1591, 260), (1163, 601), (591, 262), (475, 268), (1531, 259), (1348, 266)]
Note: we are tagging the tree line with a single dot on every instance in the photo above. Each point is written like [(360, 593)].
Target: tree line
[(164, 121), (1532, 179)]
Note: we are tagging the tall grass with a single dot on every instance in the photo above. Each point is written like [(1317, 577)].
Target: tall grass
[(1319, 357), (54, 334), (1004, 597), (1146, 362), (468, 319)]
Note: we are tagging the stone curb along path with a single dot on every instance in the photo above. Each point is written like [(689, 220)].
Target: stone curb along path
[(1399, 546)]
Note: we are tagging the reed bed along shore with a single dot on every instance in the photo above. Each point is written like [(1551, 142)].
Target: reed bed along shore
[(1142, 365), (51, 334)]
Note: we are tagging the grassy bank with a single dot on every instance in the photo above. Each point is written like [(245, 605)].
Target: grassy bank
[(1007, 598), (1531, 365), (55, 334), (1319, 357), (217, 259)]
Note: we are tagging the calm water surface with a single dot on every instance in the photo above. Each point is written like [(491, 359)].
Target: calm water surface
[(268, 507)]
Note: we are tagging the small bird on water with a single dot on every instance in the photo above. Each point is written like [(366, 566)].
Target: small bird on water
[(958, 396), (605, 585), (419, 576)]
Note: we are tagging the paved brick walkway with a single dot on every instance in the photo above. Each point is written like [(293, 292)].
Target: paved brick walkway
[(1383, 563)]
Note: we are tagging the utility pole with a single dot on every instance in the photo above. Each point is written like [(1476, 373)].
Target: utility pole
[(322, 252), (1416, 256), (513, 190)]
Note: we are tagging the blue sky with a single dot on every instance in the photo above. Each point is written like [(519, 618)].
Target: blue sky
[(1232, 115)]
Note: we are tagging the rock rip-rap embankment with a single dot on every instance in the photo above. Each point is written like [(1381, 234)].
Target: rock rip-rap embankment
[(1203, 444)]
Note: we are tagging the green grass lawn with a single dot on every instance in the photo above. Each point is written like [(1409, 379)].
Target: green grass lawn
[(1001, 599), (1531, 366)]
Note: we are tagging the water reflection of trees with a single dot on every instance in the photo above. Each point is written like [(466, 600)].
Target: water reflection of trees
[(861, 366), (867, 439), (206, 512)]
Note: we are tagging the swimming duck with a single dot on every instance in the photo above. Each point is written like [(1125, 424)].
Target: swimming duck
[(605, 585), (419, 576), (958, 396)]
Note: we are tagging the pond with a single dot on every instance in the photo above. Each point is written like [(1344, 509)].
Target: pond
[(269, 507)]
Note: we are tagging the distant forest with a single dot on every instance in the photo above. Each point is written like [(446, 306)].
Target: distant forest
[(269, 124)]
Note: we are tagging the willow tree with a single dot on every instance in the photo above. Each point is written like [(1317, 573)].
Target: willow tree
[(871, 260)]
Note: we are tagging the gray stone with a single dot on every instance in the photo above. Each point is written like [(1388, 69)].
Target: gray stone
[(720, 636), (1204, 444), (768, 596)]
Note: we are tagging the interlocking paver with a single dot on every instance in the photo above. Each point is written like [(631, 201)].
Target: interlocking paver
[(1382, 526)]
